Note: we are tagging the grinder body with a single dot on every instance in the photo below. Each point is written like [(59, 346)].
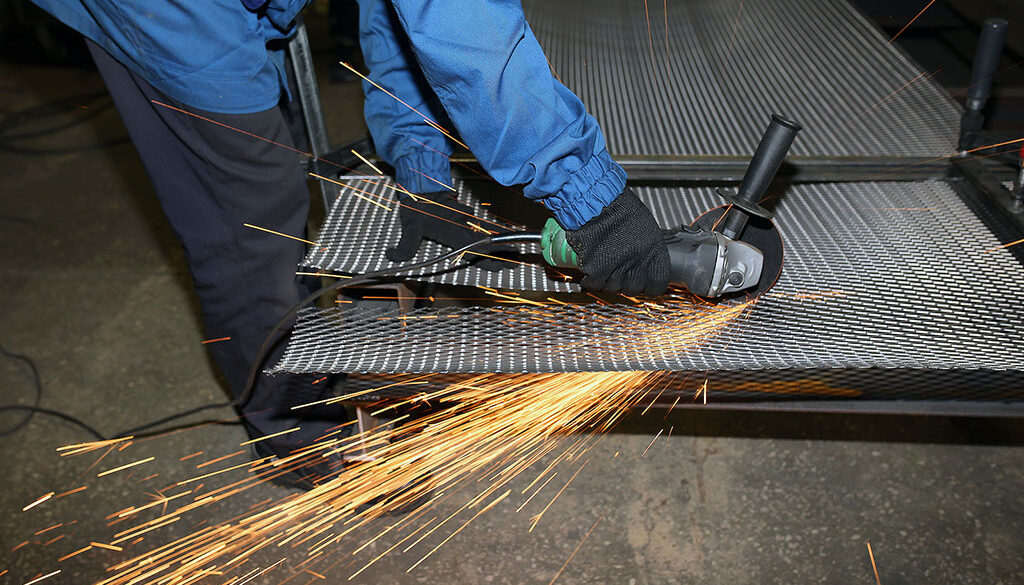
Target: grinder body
[(716, 259)]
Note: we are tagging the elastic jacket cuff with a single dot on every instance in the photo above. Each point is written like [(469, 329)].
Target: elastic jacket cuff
[(415, 170), (588, 191)]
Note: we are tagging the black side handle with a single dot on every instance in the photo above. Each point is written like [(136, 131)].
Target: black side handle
[(774, 145), (986, 59)]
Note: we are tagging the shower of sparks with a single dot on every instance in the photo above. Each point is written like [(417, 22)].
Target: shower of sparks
[(493, 429), (927, 6), (480, 435)]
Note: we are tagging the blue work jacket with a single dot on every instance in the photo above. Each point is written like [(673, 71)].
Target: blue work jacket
[(208, 54), (482, 62), (479, 58)]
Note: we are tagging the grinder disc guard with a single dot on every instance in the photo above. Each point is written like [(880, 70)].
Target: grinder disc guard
[(760, 233)]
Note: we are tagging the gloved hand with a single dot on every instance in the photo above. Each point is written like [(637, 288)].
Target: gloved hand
[(622, 249), (444, 222)]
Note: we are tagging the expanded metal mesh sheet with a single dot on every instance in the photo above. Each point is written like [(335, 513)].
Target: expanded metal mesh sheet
[(877, 275), (701, 76)]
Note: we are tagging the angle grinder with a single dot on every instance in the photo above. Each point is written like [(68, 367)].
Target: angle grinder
[(728, 249)]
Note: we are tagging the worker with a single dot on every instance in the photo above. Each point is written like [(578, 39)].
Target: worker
[(476, 64), (194, 82)]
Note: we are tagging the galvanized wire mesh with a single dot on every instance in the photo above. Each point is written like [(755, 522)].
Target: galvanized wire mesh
[(700, 76), (877, 275)]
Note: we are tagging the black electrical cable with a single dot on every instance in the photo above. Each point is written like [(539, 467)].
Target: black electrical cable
[(35, 382), (243, 398), (9, 137)]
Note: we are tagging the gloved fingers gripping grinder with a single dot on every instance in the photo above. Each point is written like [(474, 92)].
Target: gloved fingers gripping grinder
[(728, 249)]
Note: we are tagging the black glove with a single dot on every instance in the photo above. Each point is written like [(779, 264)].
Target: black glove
[(444, 222), (622, 249)]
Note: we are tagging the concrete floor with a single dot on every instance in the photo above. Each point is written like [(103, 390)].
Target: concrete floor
[(93, 288)]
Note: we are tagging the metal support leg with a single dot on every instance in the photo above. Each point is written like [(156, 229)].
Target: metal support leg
[(309, 98)]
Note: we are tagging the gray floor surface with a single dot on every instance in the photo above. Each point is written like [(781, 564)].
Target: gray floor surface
[(94, 289)]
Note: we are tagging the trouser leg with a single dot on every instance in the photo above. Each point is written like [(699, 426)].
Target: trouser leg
[(210, 180)]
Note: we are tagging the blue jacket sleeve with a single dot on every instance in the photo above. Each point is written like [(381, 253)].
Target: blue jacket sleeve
[(418, 152), (525, 127), (211, 54)]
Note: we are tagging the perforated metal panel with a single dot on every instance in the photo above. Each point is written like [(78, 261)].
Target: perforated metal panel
[(877, 275), (700, 76)]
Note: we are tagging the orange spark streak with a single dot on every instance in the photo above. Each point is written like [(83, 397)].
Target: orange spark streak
[(652, 443), (47, 576), (920, 77), (873, 566), (459, 529), (668, 66), (254, 462), (327, 274), (422, 115), (269, 231), (997, 74), (69, 492), (250, 134), (446, 186), (37, 502), (927, 6), (356, 192), (204, 342), (574, 551), (735, 27), (45, 530), (536, 519), (125, 466), (221, 458), (362, 158), (1004, 246), (74, 554), (251, 441), (650, 38), (994, 145)]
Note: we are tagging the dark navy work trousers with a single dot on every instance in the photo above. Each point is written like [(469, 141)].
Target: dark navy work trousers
[(212, 175)]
